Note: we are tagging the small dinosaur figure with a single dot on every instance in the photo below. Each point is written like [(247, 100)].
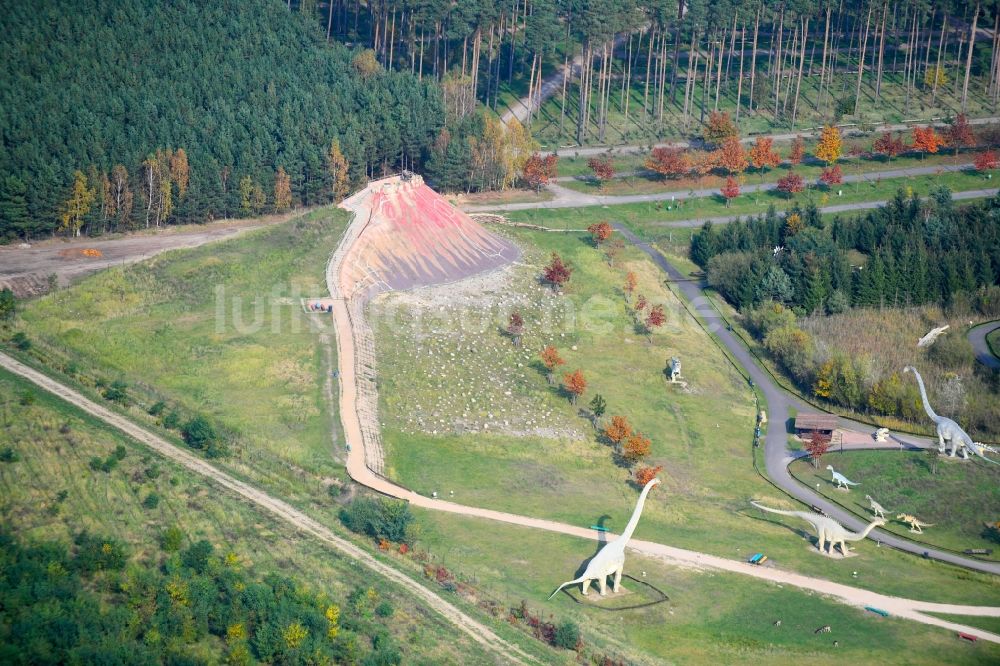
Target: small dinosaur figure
[(841, 480), (827, 529), (915, 525), (931, 336), (877, 508), (948, 430), (611, 559)]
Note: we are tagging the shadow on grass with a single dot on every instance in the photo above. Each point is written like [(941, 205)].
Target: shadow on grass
[(657, 595)]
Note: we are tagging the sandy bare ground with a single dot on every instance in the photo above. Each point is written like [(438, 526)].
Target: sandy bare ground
[(909, 608), (506, 652), (26, 270)]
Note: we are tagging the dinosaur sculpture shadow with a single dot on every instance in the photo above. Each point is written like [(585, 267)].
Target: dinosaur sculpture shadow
[(602, 539), (797, 531), (648, 588)]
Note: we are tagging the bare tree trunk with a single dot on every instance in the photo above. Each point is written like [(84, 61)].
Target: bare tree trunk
[(861, 63), (822, 67), (881, 54), (802, 62), (753, 59), (941, 46), (718, 72), (777, 74), (688, 87), (562, 109), (968, 59), (739, 81), (649, 61)]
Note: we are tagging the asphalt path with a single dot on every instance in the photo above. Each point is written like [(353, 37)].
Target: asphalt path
[(779, 407), (977, 336)]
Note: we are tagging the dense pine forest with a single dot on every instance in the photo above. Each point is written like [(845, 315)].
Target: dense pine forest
[(132, 114)]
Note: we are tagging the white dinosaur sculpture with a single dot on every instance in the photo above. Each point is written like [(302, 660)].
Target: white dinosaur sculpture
[(877, 508), (841, 480), (827, 529), (914, 523), (931, 336), (948, 430), (611, 559)]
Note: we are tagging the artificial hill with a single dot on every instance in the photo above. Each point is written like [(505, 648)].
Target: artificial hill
[(406, 235)]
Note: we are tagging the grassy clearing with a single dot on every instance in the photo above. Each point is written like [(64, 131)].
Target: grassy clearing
[(710, 618), (956, 497), (217, 330), (55, 442), (702, 437), (993, 342), (990, 624), (646, 183)]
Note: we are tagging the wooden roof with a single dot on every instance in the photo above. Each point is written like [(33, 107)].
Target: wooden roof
[(815, 422)]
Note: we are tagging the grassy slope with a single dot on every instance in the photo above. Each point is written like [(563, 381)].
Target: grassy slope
[(957, 498), (110, 503), (710, 618), (218, 330), (708, 474)]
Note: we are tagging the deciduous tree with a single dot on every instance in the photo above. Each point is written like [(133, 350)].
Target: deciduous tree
[(180, 172), (636, 447), (730, 190), (337, 164), (926, 140), (600, 232), (732, 157), (575, 384), (888, 145), (551, 360), (985, 161), (817, 444), (831, 176), (655, 319), (791, 184), (597, 407), (830, 145), (644, 475), (719, 128), (669, 161), (557, 273), (78, 204), (612, 249), (763, 155), (629, 286), (603, 168), (282, 190), (617, 429), (798, 151), (959, 134), (539, 170), (515, 327)]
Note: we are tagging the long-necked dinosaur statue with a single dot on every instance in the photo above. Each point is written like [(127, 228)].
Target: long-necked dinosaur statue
[(827, 529), (948, 430), (611, 559)]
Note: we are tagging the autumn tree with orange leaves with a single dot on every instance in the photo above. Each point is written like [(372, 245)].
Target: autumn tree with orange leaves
[(636, 447), (668, 161), (719, 128), (732, 157), (600, 232), (539, 170), (630, 284), (763, 155), (655, 319), (574, 384), (830, 146), (644, 475), (617, 429), (282, 190), (798, 151), (730, 190), (551, 360), (831, 176), (959, 134), (926, 140), (515, 327)]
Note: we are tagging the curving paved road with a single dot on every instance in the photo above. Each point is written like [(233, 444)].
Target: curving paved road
[(977, 336), (780, 405)]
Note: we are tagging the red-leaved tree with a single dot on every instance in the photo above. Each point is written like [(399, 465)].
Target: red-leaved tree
[(617, 429), (791, 184), (636, 447), (668, 161), (600, 232), (644, 475), (655, 319), (603, 167), (798, 152), (985, 161), (763, 155), (515, 328), (557, 273), (730, 190), (817, 444), (959, 134), (629, 286), (831, 176), (888, 145), (551, 360), (732, 157), (926, 140), (539, 170), (575, 384)]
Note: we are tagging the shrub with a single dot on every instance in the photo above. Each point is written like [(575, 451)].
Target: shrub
[(95, 553), (172, 420), (27, 398), (21, 341), (171, 539), (120, 452), (384, 609), (567, 635), (196, 556), (7, 303), (951, 351), (151, 502), (9, 455), (116, 392), (378, 518), (199, 433), (157, 408)]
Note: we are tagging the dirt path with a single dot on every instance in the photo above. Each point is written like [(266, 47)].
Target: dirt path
[(282, 510), (356, 468), (26, 270), (567, 198)]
